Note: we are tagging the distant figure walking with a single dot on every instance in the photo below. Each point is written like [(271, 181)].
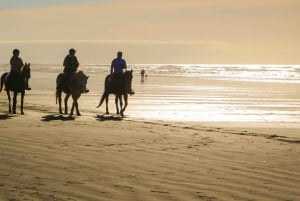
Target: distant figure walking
[(142, 75), (16, 65), (118, 65)]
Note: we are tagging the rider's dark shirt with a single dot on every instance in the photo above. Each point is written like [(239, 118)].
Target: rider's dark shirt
[(70, 64), (16, 64)]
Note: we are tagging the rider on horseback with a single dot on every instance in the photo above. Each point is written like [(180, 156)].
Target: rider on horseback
[(118, 64), (117, 68), (70, 68), (16, 65)]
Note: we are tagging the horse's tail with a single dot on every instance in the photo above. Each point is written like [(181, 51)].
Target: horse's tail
[(104, 96), (2, 81)]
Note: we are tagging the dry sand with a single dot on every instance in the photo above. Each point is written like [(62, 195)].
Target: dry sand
[(46, 156)]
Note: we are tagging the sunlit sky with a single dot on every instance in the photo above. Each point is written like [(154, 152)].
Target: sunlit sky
[(152, 31)]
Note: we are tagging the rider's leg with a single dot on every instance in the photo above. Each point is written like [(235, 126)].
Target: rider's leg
[(27, 85)]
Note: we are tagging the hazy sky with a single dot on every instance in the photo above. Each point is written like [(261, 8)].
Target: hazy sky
[(152, 31)]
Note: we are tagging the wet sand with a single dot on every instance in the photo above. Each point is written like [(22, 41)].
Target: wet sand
[(47, 156)]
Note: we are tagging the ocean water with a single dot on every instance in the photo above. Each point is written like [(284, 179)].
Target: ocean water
[(201, 92)]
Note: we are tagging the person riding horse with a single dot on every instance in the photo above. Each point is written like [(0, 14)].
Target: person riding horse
[(70, 68), (117, 69), (16, 65)]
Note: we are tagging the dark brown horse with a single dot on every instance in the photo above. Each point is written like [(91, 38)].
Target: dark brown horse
[(15, 82), (75, 87), (120, 85)]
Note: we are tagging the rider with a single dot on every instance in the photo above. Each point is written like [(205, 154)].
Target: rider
[(16, 65), (118, 66), (70, 68)]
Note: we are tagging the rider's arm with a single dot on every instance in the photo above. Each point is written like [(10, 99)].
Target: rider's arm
[(112, 67)]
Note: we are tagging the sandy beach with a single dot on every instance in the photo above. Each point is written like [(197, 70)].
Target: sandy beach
[(47, 156), (215, 115)]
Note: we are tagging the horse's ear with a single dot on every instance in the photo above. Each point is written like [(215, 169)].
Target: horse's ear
[(87, 77), (131, 70)]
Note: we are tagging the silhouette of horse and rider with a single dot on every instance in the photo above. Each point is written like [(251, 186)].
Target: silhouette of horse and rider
[(71, 82), (16, 81), (117, 83)]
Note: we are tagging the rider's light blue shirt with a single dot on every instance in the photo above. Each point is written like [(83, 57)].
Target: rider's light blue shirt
[(117, 65)]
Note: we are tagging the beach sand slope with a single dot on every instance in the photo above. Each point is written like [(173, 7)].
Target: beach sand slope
[(46, 156)]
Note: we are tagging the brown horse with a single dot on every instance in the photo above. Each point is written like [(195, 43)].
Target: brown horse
[(120, 85), (15, 82), (75, 87)]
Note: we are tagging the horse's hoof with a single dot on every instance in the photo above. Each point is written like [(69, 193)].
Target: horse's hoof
[(78, 114), (22, 113), (14, 112)]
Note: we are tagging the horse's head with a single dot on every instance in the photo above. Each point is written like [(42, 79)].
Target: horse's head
[(128, 80), (81, 78), (26, 70)]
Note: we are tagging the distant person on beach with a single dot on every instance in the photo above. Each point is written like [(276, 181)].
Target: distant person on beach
[(16, 65), (70, 67), (118, 65), (142, 75)]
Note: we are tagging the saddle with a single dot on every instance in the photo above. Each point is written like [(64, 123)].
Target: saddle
[(64, 81), (63, 84), (12, 79), (117, 82)]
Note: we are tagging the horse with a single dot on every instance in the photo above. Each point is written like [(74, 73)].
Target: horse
[(75, 87), (120, 85), (15, 82)]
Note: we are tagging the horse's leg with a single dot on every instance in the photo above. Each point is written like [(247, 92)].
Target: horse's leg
[(14, 102), (9, 101), (58, 96), (125, 105), (76, 106), (66, 103), (72, 108), (121, 104), (22, 101), (117, 104), (106, 102)]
